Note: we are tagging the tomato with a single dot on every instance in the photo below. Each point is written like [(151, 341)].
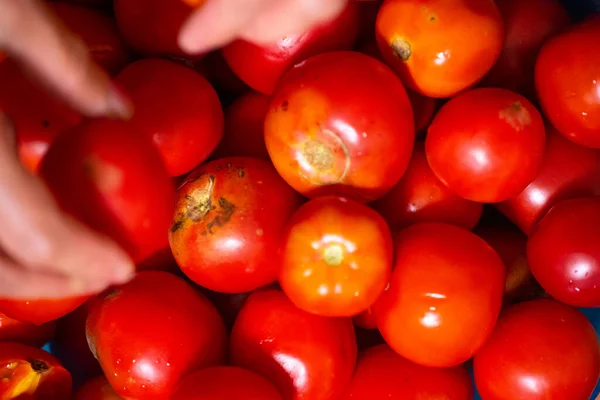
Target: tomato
[(379, 368), (420, 196), (166, 329), (563, 252), (366, 319), (97, 388), (225, 383), (263, 67), (487, 144), (30, 373), (40, 311), (12, 330), (230, 215), (440, 47), (109, 176), (308, 357), (180, 111), (422, 314), (540, 349), (567, 78), (346, 131)]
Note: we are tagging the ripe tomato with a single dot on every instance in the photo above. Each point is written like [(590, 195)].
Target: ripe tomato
[(97, 388), (230, 215), (540, 349), (225, 383), (421, 315), (568, 170), (420, 196), (39, 311), (567, 78), (166, 329), (563, 252), (31, 373), (440, 47), (336, 257), (12, 330), (366, 319), (379, 368), (306, 356), (487, 144), (346, 131), (110, 176), (180, 111)]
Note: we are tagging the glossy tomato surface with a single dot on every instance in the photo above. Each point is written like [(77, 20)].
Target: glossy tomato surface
[(230, 215), (306, 356), (346, 131), (153, 330), (440, 47), (422, 313), (96, 388), (336, 257), (181, 111), (487, 144), (540, 349), (12, 330), (39, 311)]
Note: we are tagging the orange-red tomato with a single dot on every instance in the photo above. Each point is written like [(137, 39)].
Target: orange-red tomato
[(345, 131), (336, 257), (12, 330), (440, 271), (40, 311), (440, 47), (97, 388)]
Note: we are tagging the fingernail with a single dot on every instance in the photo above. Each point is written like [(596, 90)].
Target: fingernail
[(119, 104), (124, 274)]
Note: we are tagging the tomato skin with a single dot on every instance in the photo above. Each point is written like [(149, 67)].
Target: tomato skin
[(181, 111), (379, 368), (306, 356), (166, 330), (567, 79), (97, 388), (487, 144), (422, 315), (40, 311), (12, 330), (230, 215), (430, 43), (366, 319), (540, 349), (329, 130)]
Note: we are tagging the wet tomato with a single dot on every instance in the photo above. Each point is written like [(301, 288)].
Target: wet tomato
[(306, 356), (12, 330), (39, 311), (379, 368), (487, 144), (230, 215), (432, 45), (97, 388), (181, 111), (336, 257), (330, 130), (540, 349), (166, 329), (422, 314)]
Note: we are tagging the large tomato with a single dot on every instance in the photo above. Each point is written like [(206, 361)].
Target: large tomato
[(540, 349), (336, 257), (177, 108), (422, 314), (306, 356), (96, 388), (487, 144), (153, 330), (40, 311), (12, 330), (440, 47), (230, 215), (340, 130)]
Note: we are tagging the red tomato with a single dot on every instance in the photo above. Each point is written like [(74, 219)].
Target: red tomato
[(12, 330), (166, 329), (180, 111), (230, 215), (306, 356), (567, 78), (440, 47), (540, 349), (30, 373), (97, 388), (110, 176), (225, 383), (39, 311), (563, 252), (366, 319), (346, 131), (263, 67), (420, 196), (487, 144), (422, 314), (568, 171), (379, 369)]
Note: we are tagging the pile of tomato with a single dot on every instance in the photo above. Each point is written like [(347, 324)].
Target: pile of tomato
[(369, 210)]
